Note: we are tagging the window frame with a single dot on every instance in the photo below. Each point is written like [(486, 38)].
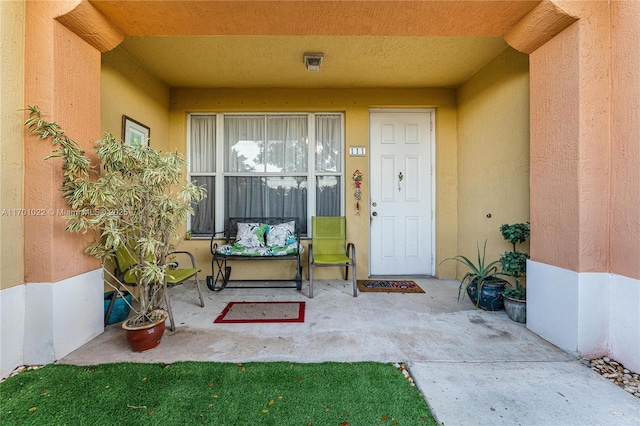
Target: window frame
[(219, 174)]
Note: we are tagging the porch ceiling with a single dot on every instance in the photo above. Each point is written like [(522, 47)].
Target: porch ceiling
[(277, 61), (365, 43)]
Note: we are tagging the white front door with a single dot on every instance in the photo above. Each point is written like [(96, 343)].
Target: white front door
[(401, 193)]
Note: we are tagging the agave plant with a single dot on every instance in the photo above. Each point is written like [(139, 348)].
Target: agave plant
[(478, 273), (128, 200)]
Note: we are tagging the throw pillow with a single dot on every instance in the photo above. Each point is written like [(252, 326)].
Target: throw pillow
[(281, 235), (251, 235)]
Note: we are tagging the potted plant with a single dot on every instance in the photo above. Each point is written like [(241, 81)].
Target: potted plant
[(514, 264), (127, 200), (482, 282)]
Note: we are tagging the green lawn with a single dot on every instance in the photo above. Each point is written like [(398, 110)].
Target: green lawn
[(185, 393)]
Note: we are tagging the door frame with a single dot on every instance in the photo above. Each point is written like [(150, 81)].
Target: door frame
[(432, 165)]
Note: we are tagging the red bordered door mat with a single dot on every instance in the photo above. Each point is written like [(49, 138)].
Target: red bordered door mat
[(248, 312), (389, 286)]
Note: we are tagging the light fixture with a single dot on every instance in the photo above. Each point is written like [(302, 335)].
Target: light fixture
[(313, 61)]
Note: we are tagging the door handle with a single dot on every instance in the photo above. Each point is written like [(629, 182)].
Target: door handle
[(374, 214)]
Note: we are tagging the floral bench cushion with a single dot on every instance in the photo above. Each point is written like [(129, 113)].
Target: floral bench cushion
[(236, 249), (262, 240)]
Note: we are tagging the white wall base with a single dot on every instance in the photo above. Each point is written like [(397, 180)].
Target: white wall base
[(587, 314), (47, 321), (624, 329), (12, 313)]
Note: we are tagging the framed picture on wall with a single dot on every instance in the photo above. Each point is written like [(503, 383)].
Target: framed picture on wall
[(134, 131)]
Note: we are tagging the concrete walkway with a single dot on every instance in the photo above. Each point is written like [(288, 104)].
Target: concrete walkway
[(473, 367)]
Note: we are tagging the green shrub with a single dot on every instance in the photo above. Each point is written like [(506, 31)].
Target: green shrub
[(514, 263)]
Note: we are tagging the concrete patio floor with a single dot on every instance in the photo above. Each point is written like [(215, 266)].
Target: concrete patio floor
[(473, 367)]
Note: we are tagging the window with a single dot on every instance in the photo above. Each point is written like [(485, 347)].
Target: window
[(202, 168), (265, 165)]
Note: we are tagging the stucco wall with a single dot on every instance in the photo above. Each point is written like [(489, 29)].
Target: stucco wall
[(129, 89), (585, 179), (11, 143), (60, 73), (625, 139), (355, 104), (493, 153), (554, 151), (62, 77), (570, 143), (585, 147)]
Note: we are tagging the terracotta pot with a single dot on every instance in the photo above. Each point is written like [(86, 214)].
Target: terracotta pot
[(516, 309), (145, 337)]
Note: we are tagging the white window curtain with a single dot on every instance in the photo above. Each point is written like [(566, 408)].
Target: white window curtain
[(328, 143), (267, 197), (202, 166), (285, 152), (328, 196), (264, 164), (203, 219), (202, 158), (328, 163), (287, 148), (244, 143)]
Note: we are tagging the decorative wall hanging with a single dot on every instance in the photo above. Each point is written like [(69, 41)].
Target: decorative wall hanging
[(134, 131), (357, 178)]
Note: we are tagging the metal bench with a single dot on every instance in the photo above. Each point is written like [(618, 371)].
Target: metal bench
[(232, 251)]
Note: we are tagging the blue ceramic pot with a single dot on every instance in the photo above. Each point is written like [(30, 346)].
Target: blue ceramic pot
[(491, 298)]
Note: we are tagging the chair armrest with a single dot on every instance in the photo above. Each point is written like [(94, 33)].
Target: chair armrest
[(351, 247), (212, 245), (193, 260)]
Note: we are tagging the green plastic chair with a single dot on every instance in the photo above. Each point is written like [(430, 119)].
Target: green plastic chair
[(329, 247), (125, 259)]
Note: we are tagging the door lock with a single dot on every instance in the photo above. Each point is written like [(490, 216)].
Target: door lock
[(374, 214)]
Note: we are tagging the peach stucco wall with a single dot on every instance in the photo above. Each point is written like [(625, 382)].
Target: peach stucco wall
[(62, 77), (311, 17), (585, 161), (625, 139), (554, 151)]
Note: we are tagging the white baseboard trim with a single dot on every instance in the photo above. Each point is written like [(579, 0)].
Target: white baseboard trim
[(588, 314), (12, 314), (43, 322)]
